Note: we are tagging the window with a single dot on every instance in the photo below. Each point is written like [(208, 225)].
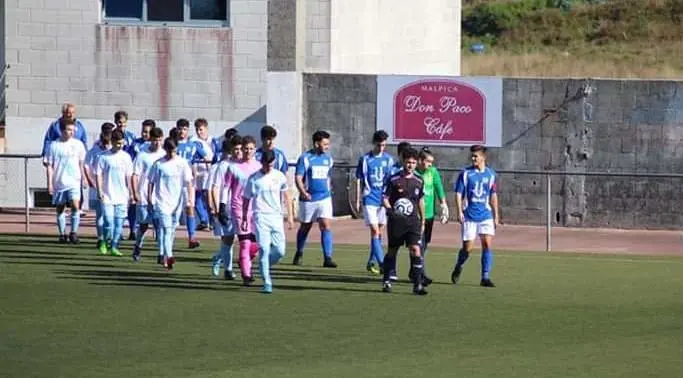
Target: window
[(210, 12)]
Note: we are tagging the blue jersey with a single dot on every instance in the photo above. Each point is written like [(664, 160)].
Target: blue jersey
[(191, 151), (54, 133), (316, 170), (280, 159), (374, 172), (129, 143), (476, 187), (217, 149), (136, 147), (396, 168)]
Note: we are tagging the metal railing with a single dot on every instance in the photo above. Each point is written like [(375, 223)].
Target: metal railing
[(344, 185)]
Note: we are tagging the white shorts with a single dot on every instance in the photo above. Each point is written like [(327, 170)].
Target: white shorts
[(470, 230), (310, 211), (374, 215)]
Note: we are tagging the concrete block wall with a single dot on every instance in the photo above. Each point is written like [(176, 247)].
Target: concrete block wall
[(548, 124)]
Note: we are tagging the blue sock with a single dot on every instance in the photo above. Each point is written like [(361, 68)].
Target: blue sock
[(99, 222), (462, 257), (75, 220), (486, 263), (377, 250), (161, 236), (118, 230), (389, 265), (61, 223), (301, 237), (191, 226), (168, 241), (326, 241)]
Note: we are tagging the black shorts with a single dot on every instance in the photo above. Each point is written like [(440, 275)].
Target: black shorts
[(403, 232), (427, 235)]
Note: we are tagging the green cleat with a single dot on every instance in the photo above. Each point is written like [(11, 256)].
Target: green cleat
[(115, 252), (102, 247)]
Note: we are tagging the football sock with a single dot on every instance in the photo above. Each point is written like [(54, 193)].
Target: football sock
[(376, 249), (462, 257), (168, 241), (226, 255), (161, 240), (264, 264), (118, 230), (389, 266), (418, 271), (326, 241), (99, 222), (301, 237), (486, 263), (141, 235), (75, 220), (245, 259), (191, 226), (61, 223)]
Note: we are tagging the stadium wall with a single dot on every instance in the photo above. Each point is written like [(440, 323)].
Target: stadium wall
[(548, 124)]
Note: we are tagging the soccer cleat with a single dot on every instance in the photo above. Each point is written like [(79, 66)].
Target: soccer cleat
[(419, 290), (329, 263), (160, 260), (393, 277), (73, 238), (115, 252), (373, 269), (63, 239), (426, 281), (169, 263), (136, 253), (247, 281), (216, 266), (202, 227), (455, 275), (229, 275), (486, 282), (297, 258), (267, 289), (102, 247), (192, 244), (386, 287)]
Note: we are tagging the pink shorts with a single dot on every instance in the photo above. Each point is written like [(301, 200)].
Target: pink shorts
[(237, 222)]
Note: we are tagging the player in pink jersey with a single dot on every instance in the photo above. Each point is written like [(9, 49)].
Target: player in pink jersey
[(235, 179)]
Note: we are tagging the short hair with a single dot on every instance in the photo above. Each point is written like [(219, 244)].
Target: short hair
[(105, 135), (116, 135), (229, 133), (402, 147), (156, 132), (379, 136), (268, 132), (120, 114), (248, 140), (199, 122), (107, 126), (63, 123), (170, 144), (410, 153), (227, 146), (478, 148), (425, 152), (267, 157), (174, 134), (67, 105), (182, 123), (320, 135), (235, 140), (149, 123)]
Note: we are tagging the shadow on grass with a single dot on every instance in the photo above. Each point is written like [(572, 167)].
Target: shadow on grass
[(79, 265)]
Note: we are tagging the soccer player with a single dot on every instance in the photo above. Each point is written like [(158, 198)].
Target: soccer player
[(142, 143), (219, 198), (192, 152), (433, 191), (266, 190), (372, 174), (476, 201), (268, 135), (64, 165), (398, 166), (201, 169), (217, 144), (404, 201), (169, 189), (114, 170), (141, 169), (312, 178), (54, 131), (121, 122), (235, 179), (91, 160)]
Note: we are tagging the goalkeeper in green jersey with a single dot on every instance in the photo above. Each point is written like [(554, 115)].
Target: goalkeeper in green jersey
[(433, 191)]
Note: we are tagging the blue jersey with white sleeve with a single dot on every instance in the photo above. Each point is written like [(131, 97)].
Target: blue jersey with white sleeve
[(476, 187), (374, 172), (316, 170), (280, 159), (191, 151)]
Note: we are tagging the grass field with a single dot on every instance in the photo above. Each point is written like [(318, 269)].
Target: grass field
[(66, 312)]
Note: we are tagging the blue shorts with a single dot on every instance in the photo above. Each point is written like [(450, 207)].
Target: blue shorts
[(94, 204), (144, 214), (65, 197), (220, 229), (114, 211)]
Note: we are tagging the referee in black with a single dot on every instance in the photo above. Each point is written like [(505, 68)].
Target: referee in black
[(403, 199)]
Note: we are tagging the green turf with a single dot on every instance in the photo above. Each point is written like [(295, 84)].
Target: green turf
[(66, 312)]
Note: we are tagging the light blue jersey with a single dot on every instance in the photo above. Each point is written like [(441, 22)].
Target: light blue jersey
[(169, 179), (476, 187), (265, 191), (116, 169), (129, 143), (316, 170), (374, 171), (280, 159)]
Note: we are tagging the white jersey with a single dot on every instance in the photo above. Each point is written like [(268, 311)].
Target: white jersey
[(91, 159), (202, 178), (65, 158), (141, 168), (217, 180), (116, 169), (265, 190), (170, 178)]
